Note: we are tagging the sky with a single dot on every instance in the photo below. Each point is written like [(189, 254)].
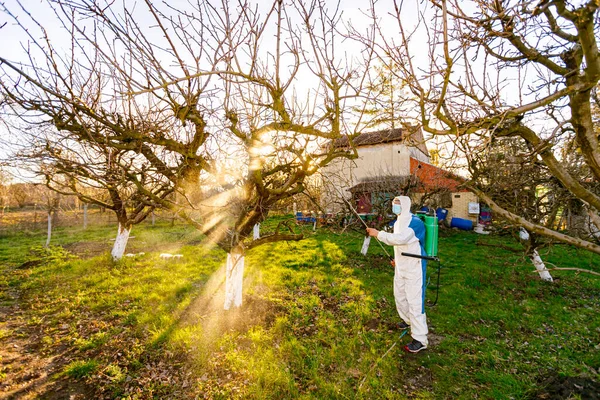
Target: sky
[(14, 41)]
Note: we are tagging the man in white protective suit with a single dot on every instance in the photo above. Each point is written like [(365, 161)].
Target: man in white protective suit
[(409, 272)]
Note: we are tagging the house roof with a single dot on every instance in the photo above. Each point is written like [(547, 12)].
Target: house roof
[(380, 184), (410, 134), (434, 178)]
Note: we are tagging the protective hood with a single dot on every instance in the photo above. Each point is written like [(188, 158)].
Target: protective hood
[(405, 216)]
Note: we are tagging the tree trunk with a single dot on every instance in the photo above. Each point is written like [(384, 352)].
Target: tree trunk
[(85, 215), (49, 228), (256, 232), (234, 276), (153, 218), (535, 258), (540, 266), (365, 246), (120, 242)]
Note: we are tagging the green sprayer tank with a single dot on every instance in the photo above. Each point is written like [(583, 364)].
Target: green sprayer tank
[(431, 234)]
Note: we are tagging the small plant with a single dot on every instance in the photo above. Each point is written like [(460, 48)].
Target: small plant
[(114, 372), (81, 369), (93, 342)]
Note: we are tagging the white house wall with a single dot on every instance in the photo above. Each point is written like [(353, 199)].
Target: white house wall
[(386, 159), (381, 160), (337, 178)]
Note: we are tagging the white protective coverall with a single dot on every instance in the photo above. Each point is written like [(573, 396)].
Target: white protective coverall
[(409, 273)]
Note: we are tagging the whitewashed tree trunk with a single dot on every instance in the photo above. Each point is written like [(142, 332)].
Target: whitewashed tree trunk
[(49, 228), (153, 218), (365, 246), (85, 215), (120, 242), (256, 231), (540, 266), (536, 259), (234, 275)]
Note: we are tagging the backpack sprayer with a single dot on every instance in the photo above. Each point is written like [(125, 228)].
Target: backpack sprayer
[(431, 237), (431, 246)]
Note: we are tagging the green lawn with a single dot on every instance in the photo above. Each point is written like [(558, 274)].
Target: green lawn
[(317, 320)]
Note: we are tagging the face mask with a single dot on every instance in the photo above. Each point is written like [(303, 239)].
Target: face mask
[(396, 208)]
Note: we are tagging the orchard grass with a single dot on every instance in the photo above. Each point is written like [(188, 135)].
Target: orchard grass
[(318, 319)]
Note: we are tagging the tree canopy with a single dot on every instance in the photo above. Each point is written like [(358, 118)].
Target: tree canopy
[(224, 103), (521, 69)]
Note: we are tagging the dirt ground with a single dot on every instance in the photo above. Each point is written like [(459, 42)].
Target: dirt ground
[(561, 387), (24, 371)]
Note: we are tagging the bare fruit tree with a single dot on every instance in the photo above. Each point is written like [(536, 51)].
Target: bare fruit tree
[(248, 91), (527, 70), (510, 173), (111, 178)]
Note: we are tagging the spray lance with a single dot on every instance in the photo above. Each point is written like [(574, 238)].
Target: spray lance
[(431, 242), (431, 236), (360, 219), (431, 232)]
